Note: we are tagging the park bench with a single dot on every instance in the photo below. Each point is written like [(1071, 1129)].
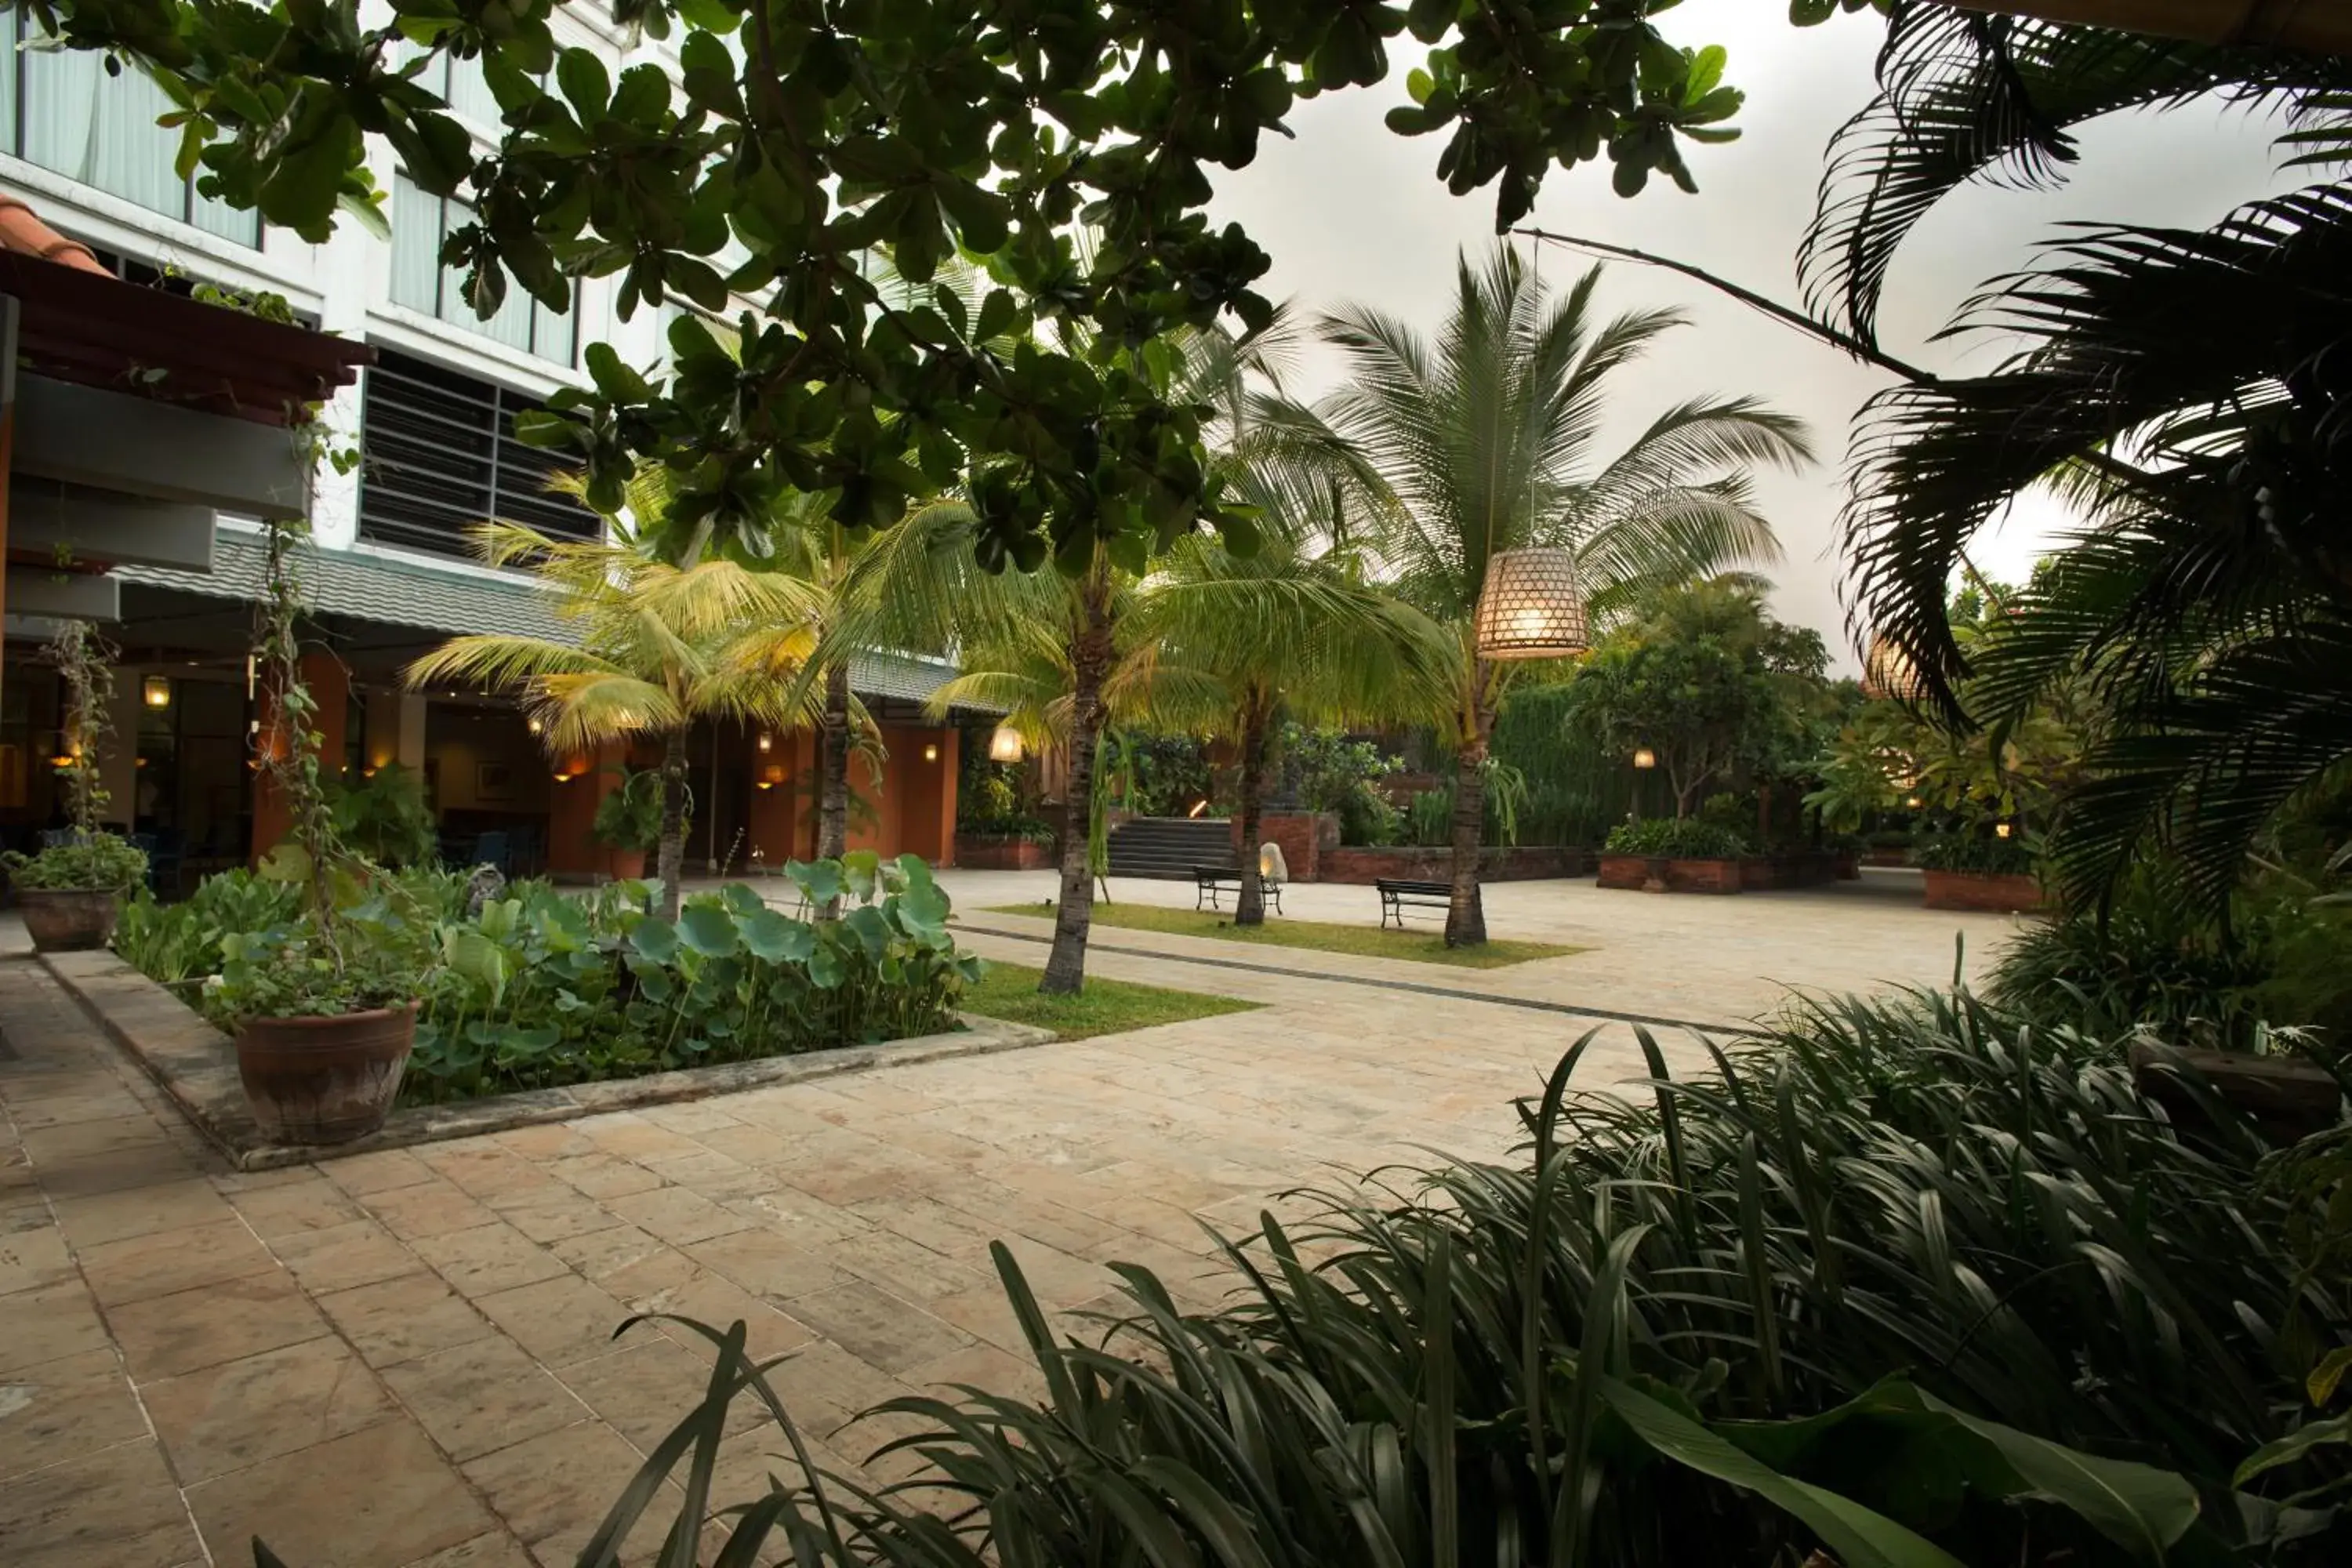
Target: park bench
[(1396, 892), (1208, 879)]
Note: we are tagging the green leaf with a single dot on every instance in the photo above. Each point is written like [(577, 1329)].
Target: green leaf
[(2139, 1507), (2324, 1377), (656, 938), (1856, 1535), (2293, 1447), (585, 83), (773, 937), (708, 929)]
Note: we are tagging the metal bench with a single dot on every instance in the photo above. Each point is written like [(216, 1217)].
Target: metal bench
[(1396, 892), (1207, 881)]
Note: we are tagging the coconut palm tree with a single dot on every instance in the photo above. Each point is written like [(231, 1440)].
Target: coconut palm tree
[(1484, 440), (658, 647), (1293, 627)]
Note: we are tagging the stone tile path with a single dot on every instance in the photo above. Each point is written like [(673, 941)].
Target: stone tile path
[(406, 1358)]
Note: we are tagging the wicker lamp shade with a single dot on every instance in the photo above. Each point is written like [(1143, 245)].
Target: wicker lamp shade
[(1887, 672), (1004, 745), (1531, 606)]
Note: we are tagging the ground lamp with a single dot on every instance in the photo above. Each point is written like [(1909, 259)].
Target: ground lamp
[(1531, 607), (1005, 746)]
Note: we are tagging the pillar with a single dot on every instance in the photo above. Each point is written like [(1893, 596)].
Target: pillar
[(582, 781), (395, 730), (331, 690), (950, 777), (118, 754), (769, 835)]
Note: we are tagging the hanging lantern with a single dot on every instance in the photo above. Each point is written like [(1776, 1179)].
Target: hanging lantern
[(1888, 673), (1644, 758), (1005, 746), (1531, 606), (156, 690)]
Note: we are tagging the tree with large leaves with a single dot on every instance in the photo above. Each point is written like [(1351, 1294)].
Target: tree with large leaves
[(793, 136), (1488, 439), (658, 647)]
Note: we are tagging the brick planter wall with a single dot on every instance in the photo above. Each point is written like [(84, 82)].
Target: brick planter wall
[(974, 852), (1630, 871), (2004, 893), (1306, 837), (1525, 863)]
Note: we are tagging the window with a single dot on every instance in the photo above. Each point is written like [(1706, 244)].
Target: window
[(420, 223), (438, 455), (60, 109)]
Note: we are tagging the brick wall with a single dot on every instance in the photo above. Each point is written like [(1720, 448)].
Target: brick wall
[(1525, 863), (1305, 837), (1632, 871), (987, 853), (2010, 893)]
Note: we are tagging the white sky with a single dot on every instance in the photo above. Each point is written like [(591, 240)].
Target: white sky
[(1350, 211)]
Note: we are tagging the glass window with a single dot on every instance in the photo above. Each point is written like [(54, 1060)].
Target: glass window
[(420, 223), (64, 112)]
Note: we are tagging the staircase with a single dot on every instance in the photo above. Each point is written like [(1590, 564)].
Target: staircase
[(1170, 847)]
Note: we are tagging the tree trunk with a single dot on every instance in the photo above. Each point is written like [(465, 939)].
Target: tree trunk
[(1090, 650), (669, 856), (1465, 914), (1249, 909), (833, 760)]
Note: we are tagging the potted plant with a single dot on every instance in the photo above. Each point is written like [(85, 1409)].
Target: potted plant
[(628, 822), (323, 1007), (72, 888)]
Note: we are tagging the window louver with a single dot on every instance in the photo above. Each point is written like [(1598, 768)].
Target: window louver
[(438, 455)]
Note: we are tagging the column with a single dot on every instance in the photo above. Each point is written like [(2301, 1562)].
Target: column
[(117, 753), (329, 685), (395, 730), (584, 780)]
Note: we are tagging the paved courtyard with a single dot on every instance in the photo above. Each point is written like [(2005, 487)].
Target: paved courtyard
[(406, 1358)]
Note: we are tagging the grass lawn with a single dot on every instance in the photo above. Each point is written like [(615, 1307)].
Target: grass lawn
[(1009, 991), (1325, 936)]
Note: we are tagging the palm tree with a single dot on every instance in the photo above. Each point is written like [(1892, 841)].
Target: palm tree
[(1288, 628), (659, 646), (1484, 441)]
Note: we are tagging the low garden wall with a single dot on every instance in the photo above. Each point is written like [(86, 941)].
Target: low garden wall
[(1987, 892), (984, 852), (1691, 875), (1522, 863), (1306, 837)]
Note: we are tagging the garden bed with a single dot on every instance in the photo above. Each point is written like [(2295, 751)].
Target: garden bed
[(987, 852), (1987, 892), (1692, 874), (197, 1065), (1523, 863)]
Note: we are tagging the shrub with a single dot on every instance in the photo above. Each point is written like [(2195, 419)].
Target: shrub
[(1983, 854), (1429, 815), (385, 817), (1901, 1283), (86, 863), (175, 943), (1680, 838), (544, 989)]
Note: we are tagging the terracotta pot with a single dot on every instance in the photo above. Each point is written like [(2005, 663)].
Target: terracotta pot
[(324, 1080), (65, 920), (626, 865)]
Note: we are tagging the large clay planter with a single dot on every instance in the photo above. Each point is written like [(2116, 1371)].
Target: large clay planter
[(627, 865), (324, 1080), (65, 920)]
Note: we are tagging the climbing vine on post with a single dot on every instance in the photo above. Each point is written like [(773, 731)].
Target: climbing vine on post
[(287, 747), (84, 661)]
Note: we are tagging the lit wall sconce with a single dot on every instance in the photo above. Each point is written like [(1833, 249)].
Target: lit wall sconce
[(61, 761), (767, 783), (536, 726), (767, 742), (253, 726), (1644, 758), (157, 690), (1004, 745), (931, 753)]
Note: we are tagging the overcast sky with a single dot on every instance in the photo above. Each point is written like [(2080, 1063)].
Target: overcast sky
[(1350, 211)]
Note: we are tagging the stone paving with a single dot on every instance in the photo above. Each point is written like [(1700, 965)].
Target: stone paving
[(407, 1357)]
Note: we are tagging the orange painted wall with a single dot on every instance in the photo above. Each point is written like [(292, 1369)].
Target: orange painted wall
[(330, 689), (588, 778)]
